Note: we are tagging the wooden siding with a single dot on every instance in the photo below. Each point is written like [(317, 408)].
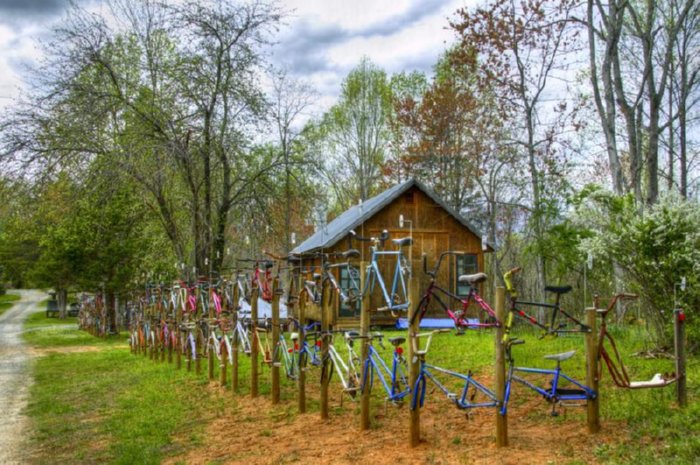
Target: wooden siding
[(434, 231)]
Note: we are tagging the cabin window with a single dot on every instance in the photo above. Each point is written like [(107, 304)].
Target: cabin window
[(408, 198), (466, 264), (350, 284)]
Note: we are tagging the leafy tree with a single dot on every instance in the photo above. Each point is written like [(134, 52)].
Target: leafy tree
[(655, 250), (356, 131)]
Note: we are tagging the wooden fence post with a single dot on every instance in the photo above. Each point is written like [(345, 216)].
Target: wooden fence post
[(301, 379), (593, 405), (364, 332), (178, 342), (222, 366), (254, 342), (500, 375), (325, 380), (210, 360), (276, 359), (679, 340), (199, 343), (235, 342), (413, 365)]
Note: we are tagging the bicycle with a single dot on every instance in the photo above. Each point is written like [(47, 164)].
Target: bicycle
[(614, 362), (348, 370), (553, 327), (555, 394), (393, 380), (470, 389), (459, 316), (395, 297)]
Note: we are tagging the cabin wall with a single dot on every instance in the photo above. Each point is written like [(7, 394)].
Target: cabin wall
[(434, 231)]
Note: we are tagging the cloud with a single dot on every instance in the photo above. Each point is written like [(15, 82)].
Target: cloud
[(306, 45), (14, 11), (325, 41)]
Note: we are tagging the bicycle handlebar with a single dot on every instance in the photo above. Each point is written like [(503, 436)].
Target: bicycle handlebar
[(433, 273), (429, 335), (620, 296), (507, 280)]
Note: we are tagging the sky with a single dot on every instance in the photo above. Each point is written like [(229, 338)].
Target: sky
[(320, 40)]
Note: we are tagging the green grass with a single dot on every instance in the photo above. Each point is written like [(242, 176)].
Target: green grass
[(6, 301), (110, 406), (43, 332)]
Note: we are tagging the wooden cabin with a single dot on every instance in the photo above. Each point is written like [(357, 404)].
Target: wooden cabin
[(434, 226)]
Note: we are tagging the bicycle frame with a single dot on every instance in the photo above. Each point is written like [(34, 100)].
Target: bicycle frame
[(551, 327), (374, 364), (398, 284), (554, 394), (469, 390), (348, 373)]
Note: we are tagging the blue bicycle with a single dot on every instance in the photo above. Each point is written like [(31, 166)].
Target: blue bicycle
[(563, 390), (396, 296), (472, 394), (393, 380)]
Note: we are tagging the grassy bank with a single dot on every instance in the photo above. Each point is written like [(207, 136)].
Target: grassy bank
[(105, 405), (6, 301), (97, 403)]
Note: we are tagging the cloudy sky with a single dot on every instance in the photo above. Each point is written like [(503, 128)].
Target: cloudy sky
[(320, 42)]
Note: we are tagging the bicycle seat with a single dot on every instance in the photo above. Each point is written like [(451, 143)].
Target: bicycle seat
[(397, 341), (404, 241), (472, 278), (561, 357), (268, 264), (558, 289), (310, 283), (317, 276), (352, 334)]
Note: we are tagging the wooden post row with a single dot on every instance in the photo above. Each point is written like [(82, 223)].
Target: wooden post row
[(679, 340), (500, 374), (413, 363), (592, 381), (235, 342), (254, 342), (275, 370), (364, 331), (325, 380), (301, 379)]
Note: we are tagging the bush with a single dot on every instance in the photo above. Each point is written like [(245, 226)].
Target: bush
[(655, 248)]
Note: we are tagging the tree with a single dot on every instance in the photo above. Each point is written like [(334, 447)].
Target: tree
[(290, 99), (356, 131), (516, 47), (169, 99), (639, 39)]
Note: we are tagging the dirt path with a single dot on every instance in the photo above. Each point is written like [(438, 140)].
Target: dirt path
[(14, 377)]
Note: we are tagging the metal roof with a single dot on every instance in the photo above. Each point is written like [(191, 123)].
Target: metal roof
[(334, 231)]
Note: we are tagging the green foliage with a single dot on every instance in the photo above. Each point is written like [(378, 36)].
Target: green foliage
[(6, 301), (655, 248), (355, 131)]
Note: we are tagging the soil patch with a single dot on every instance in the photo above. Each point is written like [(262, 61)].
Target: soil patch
[(253, 431)]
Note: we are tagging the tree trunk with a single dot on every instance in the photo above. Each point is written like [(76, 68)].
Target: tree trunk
[(111, 313), (62, 297)]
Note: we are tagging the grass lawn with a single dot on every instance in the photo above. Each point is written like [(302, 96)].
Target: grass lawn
[(105, 405), (100, 404), (6, 301)]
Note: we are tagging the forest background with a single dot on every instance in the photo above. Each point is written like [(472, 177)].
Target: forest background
[(155, 134)]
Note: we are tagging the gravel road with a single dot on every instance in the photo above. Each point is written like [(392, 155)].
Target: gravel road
[(15, 377)]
